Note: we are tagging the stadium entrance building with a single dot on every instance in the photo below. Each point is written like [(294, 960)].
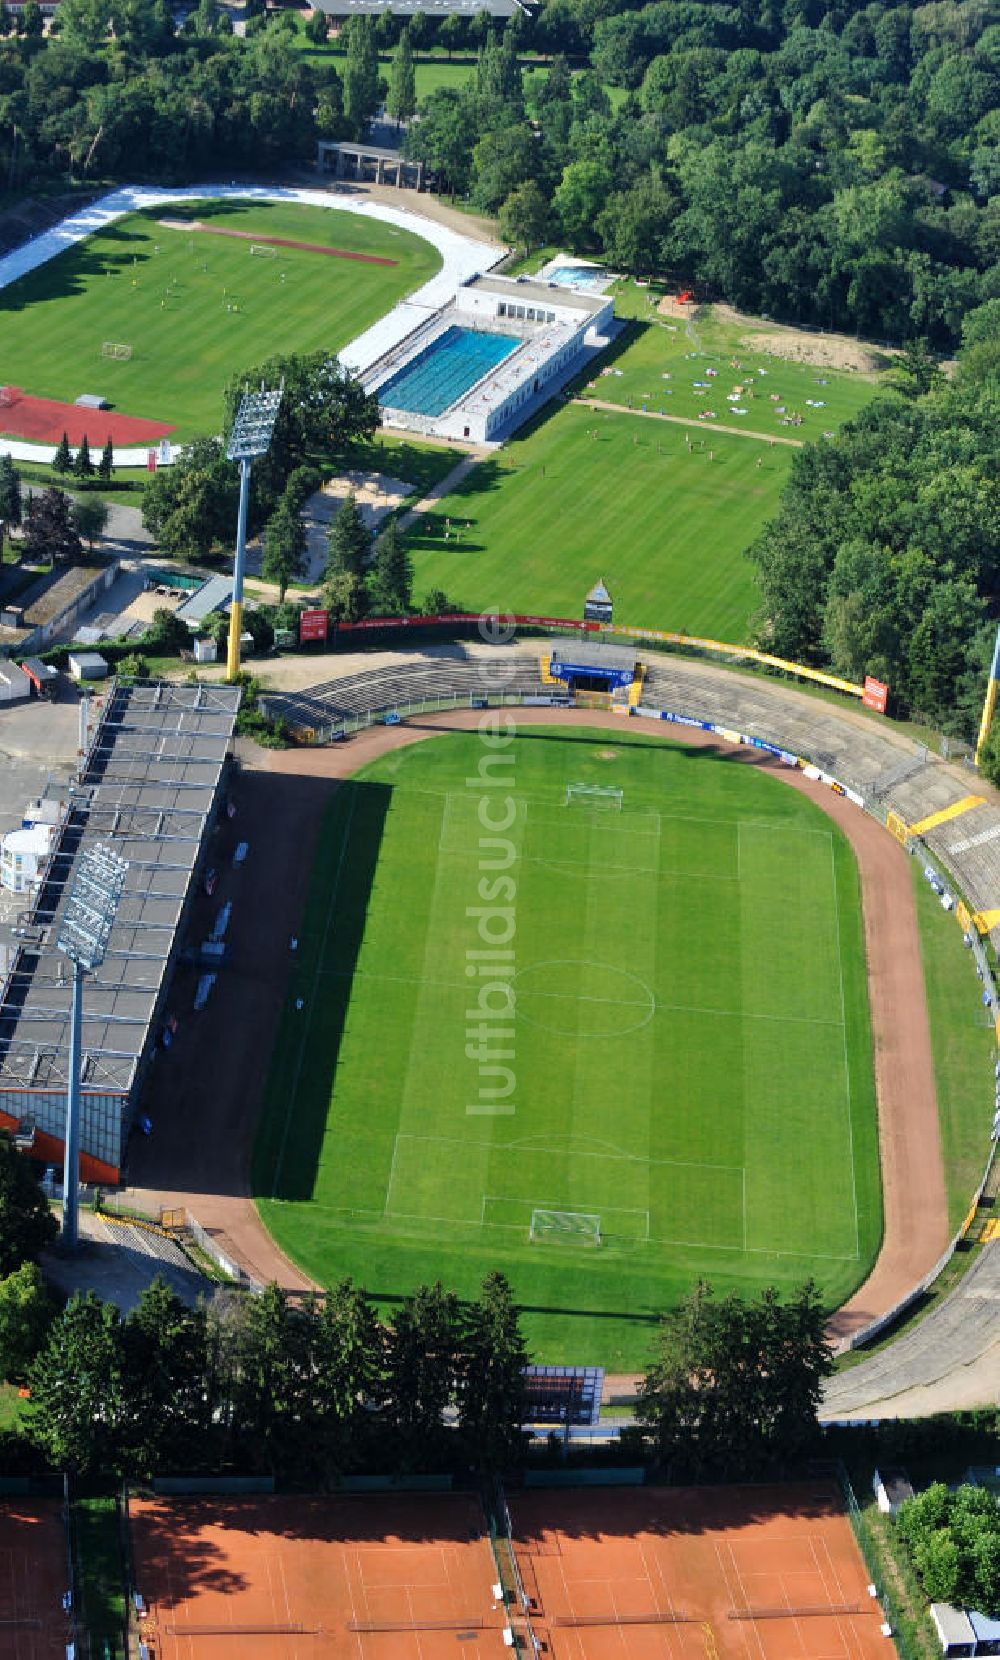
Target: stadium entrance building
[(613, 673), (149, 789)]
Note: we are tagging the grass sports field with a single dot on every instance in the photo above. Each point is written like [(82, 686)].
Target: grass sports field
[(687, 368), (197, 308), (556, 509), (691, 1041)]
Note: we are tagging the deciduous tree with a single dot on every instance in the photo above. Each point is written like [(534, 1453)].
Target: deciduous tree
[(27, 1224)]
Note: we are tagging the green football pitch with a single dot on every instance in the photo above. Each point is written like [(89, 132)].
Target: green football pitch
[(584, 495), (689, 1049), (196, 308)]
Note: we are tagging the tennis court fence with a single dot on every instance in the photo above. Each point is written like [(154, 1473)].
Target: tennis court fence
[(872, 1557), (518, 1607)]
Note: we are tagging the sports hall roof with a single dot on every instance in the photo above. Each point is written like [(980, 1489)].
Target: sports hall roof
[(146, 791)]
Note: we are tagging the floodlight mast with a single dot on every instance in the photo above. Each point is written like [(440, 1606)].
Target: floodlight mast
[(84, 931), (250, 437)]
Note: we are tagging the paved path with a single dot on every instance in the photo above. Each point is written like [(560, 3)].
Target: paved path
[(450, 482), (703, 427)]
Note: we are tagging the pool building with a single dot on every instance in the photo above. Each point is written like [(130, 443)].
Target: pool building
[(480, 365)]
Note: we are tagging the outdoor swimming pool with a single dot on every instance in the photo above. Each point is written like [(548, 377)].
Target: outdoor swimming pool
[(594, 278), (444, 370)]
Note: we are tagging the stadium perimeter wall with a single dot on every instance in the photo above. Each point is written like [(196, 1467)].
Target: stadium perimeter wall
[(919, 798)]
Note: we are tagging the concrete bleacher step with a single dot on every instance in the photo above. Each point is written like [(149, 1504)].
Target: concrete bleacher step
[(127, 1235)]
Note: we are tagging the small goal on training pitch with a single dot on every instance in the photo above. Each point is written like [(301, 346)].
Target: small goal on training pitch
[(566, 1227), (263, 251), (120, 350), (603, 796)]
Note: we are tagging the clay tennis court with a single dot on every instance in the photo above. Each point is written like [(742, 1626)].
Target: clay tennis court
[(724, 1573), (34, 1576), (274, 241), (376, 1578), (44, 420)]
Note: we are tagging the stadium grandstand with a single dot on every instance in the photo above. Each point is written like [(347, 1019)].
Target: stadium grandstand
[(148, 787), (891, 774)]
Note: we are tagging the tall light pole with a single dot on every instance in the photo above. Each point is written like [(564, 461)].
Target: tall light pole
[(250, 437), (84, 931)]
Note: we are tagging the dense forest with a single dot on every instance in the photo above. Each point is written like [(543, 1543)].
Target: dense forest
[(825, 163), (885, 555), (818, 160)]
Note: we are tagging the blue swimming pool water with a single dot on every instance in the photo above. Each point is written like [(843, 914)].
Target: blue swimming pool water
[(444, 370), (578, 276)]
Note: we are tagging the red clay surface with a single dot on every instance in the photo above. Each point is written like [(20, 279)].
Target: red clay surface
[(33, 1579), (386, 1578), (44, 420), (276, 241), (205, 1104), (673, 1574)]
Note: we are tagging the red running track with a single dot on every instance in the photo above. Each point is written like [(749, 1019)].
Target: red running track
[(44, 420)]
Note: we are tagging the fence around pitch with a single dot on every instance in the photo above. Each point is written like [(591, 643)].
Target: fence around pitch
[(872, 805), (382, 714)]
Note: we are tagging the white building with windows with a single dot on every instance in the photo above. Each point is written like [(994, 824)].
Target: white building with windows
[(533, 337), (24, 855)]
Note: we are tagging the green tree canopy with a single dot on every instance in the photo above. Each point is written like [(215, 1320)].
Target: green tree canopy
[(26, 1312), (27, 1224), (735, 1384), (491, 1385), (349, 541), (10, 497), (285, 547), (390, 584)]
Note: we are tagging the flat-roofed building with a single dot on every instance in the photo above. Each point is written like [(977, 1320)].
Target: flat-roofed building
[(149, 790)]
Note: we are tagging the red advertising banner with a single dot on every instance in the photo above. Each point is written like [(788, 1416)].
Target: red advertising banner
[(875, 695), (313, 626), (499, 619)]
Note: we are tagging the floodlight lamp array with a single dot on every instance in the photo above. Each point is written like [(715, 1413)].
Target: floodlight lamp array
[(87, 920), (254, 425)]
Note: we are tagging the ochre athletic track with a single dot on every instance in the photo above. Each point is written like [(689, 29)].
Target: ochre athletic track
[(274, 241), (205, 1105)]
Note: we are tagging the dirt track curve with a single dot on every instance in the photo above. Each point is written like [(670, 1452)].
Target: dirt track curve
[(205, 1101)]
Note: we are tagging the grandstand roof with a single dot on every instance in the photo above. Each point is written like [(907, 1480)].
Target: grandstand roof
[(147, 790), (594, 654)]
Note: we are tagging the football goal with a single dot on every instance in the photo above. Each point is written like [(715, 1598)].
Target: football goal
[(566, 1227), (262, 251), (604, 796), (120, 350)]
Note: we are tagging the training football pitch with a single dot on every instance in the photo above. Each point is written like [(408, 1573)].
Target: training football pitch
[(587, 494), (196, 308), (689, 1053)]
